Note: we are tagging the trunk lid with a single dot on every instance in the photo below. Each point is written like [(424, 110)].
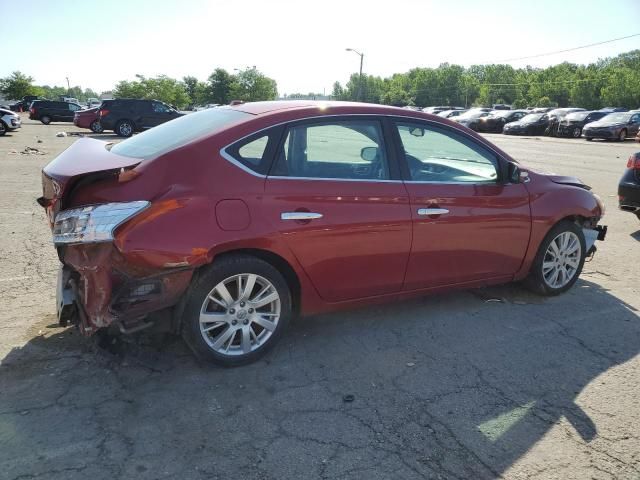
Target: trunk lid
[(84, 161)]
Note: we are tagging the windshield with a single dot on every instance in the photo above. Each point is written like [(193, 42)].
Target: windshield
[(577, 116), (616, 117), (178, 132), (500, 113), (532, 117), (473, 114)]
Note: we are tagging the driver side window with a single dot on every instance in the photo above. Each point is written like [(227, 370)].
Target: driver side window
[(348, 150), (443, 156)]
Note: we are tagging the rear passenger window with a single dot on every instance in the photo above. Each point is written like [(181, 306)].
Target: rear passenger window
[(253, 152), (348, 150)]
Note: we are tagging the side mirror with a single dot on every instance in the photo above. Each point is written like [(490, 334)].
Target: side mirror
[(369, 154), (515, 175), (417, 132)]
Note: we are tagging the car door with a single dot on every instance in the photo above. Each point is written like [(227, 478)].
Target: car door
[(335, 195), (160, 113), (70, 111), (634, 125), (468, 224)]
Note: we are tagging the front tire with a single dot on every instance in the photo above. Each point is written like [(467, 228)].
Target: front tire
[(576, 132), (3, 128), (46, 119), (95, 127), (124, 128), (559, 260), (236, 311)]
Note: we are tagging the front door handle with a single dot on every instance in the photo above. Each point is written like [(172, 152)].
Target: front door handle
[(432, 211), (300, 216)]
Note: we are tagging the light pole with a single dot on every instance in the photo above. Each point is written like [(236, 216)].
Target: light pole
[(68, 86), (360, 82)]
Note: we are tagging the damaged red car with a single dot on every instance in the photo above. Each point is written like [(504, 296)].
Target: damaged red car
[(228, 222)]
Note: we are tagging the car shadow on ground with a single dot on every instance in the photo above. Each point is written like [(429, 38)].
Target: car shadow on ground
[(636, 235), (450, 386)]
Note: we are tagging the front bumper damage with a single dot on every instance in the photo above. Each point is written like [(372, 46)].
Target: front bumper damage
[(97, 289), (599, 232)]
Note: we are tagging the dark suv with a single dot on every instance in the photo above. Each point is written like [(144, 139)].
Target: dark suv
[(48, 111), (125, 116)]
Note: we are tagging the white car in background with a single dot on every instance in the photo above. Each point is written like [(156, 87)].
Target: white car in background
[(9, 121)]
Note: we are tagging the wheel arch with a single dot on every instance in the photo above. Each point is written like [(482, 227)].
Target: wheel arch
[(275, 260)]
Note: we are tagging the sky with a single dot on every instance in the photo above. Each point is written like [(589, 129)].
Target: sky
[(299, 44)]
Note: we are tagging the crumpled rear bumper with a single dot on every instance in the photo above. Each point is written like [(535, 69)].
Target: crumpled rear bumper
[(97, 288)]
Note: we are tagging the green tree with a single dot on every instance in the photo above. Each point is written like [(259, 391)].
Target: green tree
[(161, 88), (250, 85), (219, 86), (191, 86), (17, 85)]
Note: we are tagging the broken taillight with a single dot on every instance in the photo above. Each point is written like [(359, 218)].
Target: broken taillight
[(634, 161)]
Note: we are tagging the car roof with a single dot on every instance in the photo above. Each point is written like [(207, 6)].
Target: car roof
[(314, 106)]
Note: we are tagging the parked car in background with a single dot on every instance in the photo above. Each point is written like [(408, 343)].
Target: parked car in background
[(541, 109), (125, 116), (244, 216), (572, 124), (532, 124), (436, 110), (501, 106), (88, 119), (8, 121), (48, 111), (496, 120), (93, 102), (613, 109), (629, 186), (451, 113), (471, 118), (614, 126), (24, 104)]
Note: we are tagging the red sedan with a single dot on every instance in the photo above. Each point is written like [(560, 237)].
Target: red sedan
[(88, 119), (229, 221)]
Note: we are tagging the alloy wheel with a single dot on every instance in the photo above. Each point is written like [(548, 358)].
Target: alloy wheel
[(576, 132), (240, 314), (561, 260)]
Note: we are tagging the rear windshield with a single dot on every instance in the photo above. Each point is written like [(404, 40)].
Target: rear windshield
[(177, 133)]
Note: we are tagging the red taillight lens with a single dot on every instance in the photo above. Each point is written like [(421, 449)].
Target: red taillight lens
[(32, 110), (634, 161), (103, 112)]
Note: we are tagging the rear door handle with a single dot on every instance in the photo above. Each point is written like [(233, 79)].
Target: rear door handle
[(300, 216), (432, 211)]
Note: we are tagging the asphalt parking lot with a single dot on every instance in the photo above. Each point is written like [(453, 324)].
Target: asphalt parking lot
[(492, 383)]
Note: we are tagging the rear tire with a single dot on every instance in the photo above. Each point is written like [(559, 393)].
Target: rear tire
[(224, 321), (124, 128), (46, 119), (3, 128), (576, 132), (95, 127), (589, 139), (559, 260), (623, 135)]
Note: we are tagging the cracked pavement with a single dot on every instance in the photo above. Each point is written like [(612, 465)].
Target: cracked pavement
[(492, 383)]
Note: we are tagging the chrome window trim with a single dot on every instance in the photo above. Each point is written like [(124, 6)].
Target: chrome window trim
[(371, 180), (229, 158)]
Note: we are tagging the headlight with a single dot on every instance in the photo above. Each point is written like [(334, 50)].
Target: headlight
[(93, 223)]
